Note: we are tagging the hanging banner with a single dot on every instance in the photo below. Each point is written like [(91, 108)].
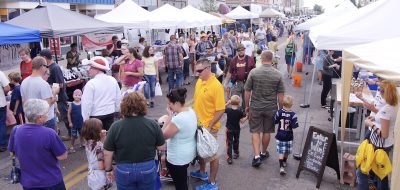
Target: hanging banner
[(55, 46), (92, 42)]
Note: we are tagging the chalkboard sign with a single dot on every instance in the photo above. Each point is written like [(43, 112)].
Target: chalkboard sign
[(319, 151)]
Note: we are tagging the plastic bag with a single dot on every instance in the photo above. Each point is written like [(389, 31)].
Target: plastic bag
[(207, 145), (219, 72), (158, 91)]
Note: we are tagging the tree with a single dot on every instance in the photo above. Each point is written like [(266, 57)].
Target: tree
[(318, 9), (209, 6)]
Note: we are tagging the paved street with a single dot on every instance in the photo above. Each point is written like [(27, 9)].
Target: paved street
[(240, 175)]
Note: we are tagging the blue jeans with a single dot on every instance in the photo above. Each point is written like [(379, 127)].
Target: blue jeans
[(141, 176), (3, 127), (306, 51), (186, 64), (362, 179), (149, 88), (51, 123), (172, 82), (59, 186)]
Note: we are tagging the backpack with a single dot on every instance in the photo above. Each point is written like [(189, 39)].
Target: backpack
[(289, 50), (246, 69)]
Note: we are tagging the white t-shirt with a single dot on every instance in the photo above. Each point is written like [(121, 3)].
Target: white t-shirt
[(387, 112), (379, 102), (3, 82), (249, 47), (260, 34)]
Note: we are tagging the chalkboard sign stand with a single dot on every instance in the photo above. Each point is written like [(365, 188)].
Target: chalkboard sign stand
[(330, 156)]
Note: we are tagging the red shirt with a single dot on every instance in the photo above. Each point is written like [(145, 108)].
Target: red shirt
[(26, 69), (240, 67)]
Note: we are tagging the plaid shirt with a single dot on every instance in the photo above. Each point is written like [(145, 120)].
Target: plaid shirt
[(171, 55)]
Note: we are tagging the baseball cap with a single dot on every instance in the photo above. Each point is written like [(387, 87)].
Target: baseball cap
[(381, 166), (46, 53), (77, 92), (241, 47)]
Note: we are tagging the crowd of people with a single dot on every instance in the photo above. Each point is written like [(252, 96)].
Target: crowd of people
[(236, 75)]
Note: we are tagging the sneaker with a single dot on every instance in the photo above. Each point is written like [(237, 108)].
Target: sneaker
[(197, 174), (256, 162), (235, 156), (208, 186), (71, 150), (264, 156), (229, 160), (282, 171), (165, 175)]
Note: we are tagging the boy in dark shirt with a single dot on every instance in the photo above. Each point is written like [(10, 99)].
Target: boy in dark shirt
[(16, 99), (287, 121), (235, 116)]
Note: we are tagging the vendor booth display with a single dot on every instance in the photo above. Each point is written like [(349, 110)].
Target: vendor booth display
[(17, 35)]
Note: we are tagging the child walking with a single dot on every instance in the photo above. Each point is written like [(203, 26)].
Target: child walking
[(94, 135), (287, 121), (235, 116), (16, 98), (75, 119)]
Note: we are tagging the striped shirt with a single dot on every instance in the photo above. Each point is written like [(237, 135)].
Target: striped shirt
[(171, 55), (265, 83)]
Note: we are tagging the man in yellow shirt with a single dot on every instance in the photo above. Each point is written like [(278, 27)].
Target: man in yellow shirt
[(209, 105)]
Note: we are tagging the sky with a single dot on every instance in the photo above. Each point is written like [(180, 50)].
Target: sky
[(324, 3)]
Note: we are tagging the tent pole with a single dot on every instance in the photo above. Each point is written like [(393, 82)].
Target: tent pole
[(55, 50)]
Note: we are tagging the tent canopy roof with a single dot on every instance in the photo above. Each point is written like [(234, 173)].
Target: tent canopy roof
[(165, 17), (17, 35), (345, 7), (52, 21), (123, 14), (371, 57), (370, 23), (241, 13), (270, 12), (225, 19), (193, 17)]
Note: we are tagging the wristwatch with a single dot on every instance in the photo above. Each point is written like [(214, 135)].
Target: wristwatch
[(110, 170)]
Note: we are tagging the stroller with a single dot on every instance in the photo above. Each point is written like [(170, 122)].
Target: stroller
[(162, 155)]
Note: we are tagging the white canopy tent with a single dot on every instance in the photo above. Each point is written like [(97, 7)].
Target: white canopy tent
[(128, 14), (344, 8), (270, 12), (165, 17), (380, 58), (241, 13), (193, 17), (370, 23)]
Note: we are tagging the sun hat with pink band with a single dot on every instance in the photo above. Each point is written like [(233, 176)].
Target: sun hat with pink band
[(97, 62)]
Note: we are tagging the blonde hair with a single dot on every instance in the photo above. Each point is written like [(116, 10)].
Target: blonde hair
[(287, 101), (389, 92), (235, 100)]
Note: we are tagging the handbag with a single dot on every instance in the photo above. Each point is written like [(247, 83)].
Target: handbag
[(376, 139), (158, 91), (15, 173), (207, 145)]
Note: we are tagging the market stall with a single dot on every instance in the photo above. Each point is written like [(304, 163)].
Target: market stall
[(370, 23), (123, 15), (344, 8), (241, 13), (271, 13), (383, 64), (165, 17), (17, 35)]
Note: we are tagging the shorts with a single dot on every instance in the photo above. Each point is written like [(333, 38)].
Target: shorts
[(290, 60), (214, 133), (262, 121), (284, 147), (75, 132)]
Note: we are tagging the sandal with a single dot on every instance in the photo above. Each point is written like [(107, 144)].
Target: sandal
[(71, 150)]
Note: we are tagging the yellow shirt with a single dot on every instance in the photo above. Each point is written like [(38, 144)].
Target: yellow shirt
[(149, 65), (208, 98)]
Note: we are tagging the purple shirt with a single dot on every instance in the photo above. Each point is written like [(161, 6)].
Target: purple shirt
[(37, 148), (134, 66)]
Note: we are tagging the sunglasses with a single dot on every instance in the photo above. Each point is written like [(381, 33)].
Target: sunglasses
[(45, 66), (201, 70)]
